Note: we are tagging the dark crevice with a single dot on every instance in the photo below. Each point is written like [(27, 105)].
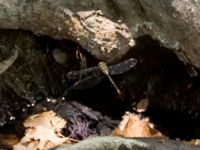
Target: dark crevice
[(159, 76)]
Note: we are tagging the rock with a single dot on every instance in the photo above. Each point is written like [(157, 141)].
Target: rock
[(105, 39), (108, 29), (59, 55), (118, 143)]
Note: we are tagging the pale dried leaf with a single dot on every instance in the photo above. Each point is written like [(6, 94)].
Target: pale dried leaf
[(193, 142), (133, 125), (47, 119), (42, 132)]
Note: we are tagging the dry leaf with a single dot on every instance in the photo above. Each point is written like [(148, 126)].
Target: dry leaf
[(193, 142), (8, 140), (133, 125), (43, 131), (142, 105)]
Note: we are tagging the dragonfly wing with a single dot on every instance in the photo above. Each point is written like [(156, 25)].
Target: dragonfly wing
[(87, 82), (122, 67), (78, 74)]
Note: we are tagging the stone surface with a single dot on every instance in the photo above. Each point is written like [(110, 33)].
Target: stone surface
[(117, 143), (108, 29)]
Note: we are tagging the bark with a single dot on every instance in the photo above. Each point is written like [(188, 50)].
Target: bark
[(107, 28)]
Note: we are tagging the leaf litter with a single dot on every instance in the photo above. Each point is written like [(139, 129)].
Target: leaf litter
[(43, 131)]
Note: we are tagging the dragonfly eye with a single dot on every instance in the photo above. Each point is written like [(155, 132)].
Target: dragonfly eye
[(103, 67)]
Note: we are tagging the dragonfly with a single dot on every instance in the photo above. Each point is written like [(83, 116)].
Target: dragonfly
[(94, 75)]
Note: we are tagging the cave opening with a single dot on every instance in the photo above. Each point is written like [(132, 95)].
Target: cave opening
[(159, 76), (167, 83)]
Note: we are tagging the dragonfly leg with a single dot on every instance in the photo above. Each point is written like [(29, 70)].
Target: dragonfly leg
[(103, 67)]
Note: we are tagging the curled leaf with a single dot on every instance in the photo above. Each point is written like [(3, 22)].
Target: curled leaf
[(43, 131), (133, 125)]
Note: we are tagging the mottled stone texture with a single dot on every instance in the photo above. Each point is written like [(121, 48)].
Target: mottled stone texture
[(118, 143), (107, 29)]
